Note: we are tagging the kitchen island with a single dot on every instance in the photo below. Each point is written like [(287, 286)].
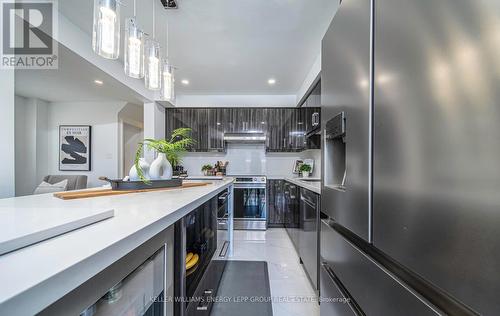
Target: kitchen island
[(36, 276)]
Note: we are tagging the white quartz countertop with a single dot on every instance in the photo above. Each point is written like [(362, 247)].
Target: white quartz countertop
[(32, 278), (314, 186), (205, 177)]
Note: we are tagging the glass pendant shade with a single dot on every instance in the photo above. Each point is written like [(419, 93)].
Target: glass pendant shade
[(134, 50), (168, 82), (152, 58), (106, 30)]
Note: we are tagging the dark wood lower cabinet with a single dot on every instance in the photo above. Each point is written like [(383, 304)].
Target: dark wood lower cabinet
[(275, 203), (283, 204)]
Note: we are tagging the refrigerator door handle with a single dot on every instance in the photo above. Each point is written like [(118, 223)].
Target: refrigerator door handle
[(350, 300), (344, 177), (315, 119)]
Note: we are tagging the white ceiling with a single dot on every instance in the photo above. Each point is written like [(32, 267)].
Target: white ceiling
[(231, 46), (72, 81)]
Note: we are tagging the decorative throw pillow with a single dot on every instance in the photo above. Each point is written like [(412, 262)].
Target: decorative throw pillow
[(46, 187)]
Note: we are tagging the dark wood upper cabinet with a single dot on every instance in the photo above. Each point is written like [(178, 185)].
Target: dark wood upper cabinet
[(285, 127), (216, 125), (297, 134), (275, 135), (196, 119), (232, 123), (257, 121), (285, 130), (312, 106), (244, 120)]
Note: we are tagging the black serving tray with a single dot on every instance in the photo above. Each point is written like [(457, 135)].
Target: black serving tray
[(121, 185)]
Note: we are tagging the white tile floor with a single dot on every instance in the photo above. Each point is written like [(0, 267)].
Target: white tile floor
[(288, 280)]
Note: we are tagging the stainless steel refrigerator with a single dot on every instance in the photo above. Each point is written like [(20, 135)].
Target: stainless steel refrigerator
[(411, 147)]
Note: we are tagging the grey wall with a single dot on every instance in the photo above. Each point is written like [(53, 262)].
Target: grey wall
[(31, 137), (7, 167)]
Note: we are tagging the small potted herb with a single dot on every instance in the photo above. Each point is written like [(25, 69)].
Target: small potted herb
[(305, 169), (206, 169)]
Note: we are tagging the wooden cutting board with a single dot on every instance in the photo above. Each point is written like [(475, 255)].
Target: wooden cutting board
[(82, 194)]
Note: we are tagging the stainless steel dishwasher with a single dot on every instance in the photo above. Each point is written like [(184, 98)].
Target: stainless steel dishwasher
[(309, 234)]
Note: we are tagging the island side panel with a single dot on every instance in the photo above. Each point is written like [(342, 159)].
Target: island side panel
[(91, 291)]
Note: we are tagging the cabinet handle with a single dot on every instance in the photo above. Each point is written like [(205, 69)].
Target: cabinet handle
[(308, 202), (165, 275), (203, 305), (315, 119), (342, 289)]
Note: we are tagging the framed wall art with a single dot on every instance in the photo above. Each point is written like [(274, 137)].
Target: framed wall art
[(75, 147), (296, 166)]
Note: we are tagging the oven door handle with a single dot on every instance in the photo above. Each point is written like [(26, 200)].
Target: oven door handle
[(223, 196), (249, 186)]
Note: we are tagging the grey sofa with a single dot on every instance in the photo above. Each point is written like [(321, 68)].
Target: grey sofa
[(75, 182)]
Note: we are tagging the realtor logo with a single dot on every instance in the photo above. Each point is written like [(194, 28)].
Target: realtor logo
[(28, 31)]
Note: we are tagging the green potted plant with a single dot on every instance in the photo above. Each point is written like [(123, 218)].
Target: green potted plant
[(305, 169), (169, 154), (206, 169)]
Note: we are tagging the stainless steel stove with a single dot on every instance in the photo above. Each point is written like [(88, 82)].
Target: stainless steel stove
[(250, 202)]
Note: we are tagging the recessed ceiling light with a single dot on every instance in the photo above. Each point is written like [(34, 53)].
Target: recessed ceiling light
[(98, 82), (271, 81), (185, 81)]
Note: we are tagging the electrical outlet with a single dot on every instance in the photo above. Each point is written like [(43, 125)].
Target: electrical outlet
[(169, 4)]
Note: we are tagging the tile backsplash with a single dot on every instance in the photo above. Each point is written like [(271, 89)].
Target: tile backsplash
[(252, 159)]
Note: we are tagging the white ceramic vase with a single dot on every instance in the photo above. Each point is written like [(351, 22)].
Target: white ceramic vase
[(143, 164), (161, 168), (305, 174)]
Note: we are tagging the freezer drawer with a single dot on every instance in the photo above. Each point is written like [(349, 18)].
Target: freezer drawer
[(376, 292), (333, 300)]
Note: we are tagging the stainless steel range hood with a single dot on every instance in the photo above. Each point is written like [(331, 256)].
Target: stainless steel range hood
[(249, 137)]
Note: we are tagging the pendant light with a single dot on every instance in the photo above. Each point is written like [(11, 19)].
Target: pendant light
[(152, 78), (168, 82), (106, 29), (134, 48)]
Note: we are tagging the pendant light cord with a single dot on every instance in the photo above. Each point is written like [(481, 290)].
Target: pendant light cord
[(167, 40), (134, 10), (154, 26)]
